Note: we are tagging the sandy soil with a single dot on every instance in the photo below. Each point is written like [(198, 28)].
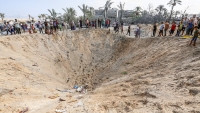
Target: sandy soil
[(123, 74)]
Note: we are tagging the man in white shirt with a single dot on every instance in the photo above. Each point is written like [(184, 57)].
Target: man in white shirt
[(162, 26), (17, 27), (137, 31), (194, 20)]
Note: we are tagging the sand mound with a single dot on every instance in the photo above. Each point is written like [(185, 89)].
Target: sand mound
[(123, 74)]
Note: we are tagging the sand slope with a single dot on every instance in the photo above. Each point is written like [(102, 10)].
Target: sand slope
[(154, 75)]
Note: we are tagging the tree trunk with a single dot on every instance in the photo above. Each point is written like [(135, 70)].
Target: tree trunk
[(121, 15), (105, 15), (84, 17), (171, 14)]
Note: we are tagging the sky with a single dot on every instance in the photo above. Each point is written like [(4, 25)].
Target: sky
[(22, 8)]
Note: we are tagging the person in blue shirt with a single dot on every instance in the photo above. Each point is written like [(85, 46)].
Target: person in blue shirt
[(190, 27)]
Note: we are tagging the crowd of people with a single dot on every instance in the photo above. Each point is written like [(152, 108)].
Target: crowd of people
[(49, 27), (32, 27), (96, 23), (186, 27)]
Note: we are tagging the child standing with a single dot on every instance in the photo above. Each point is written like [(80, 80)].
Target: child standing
[(196, 34)]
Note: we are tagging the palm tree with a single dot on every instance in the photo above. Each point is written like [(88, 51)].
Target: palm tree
[(53, 14), (121, 7), (2, 16), (173, 3), (84, 9), (160, 9), (91, 12), (138, 10), (43, 16), (165, 13), (106, 7), (70, 14), (150, 7)]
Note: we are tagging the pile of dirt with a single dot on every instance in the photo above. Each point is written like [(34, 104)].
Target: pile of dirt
[(123, 74)]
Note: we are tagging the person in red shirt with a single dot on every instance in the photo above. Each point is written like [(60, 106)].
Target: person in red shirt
[(107, 23), (173, 28)]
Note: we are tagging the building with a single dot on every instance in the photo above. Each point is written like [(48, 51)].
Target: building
[(111, 14), (127, 13), (127, 16)]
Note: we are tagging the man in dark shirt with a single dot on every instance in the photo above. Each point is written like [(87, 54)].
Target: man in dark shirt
[(81, 23), (154, 29), (129, 30), (98, 22)]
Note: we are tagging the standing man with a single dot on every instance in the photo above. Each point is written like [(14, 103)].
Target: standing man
[(87, 23), (81, 23), (185, 24), (122, 27), (95, 23), (154, 29), (45, 27), (180, 28), (129, 30), (198, 22), (107, 22), (98, 22), (161, 29), (63, 26), (173, 28), (40, 27), (17, 27), (166, 27), (190, 27), (8, 28)]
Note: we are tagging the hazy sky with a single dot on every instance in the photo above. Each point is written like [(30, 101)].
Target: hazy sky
[(22, 8)]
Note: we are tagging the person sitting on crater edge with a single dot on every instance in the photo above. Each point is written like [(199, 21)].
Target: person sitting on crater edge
[(108, 31)]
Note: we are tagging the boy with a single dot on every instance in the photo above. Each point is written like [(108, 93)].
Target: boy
[(196, 34)]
